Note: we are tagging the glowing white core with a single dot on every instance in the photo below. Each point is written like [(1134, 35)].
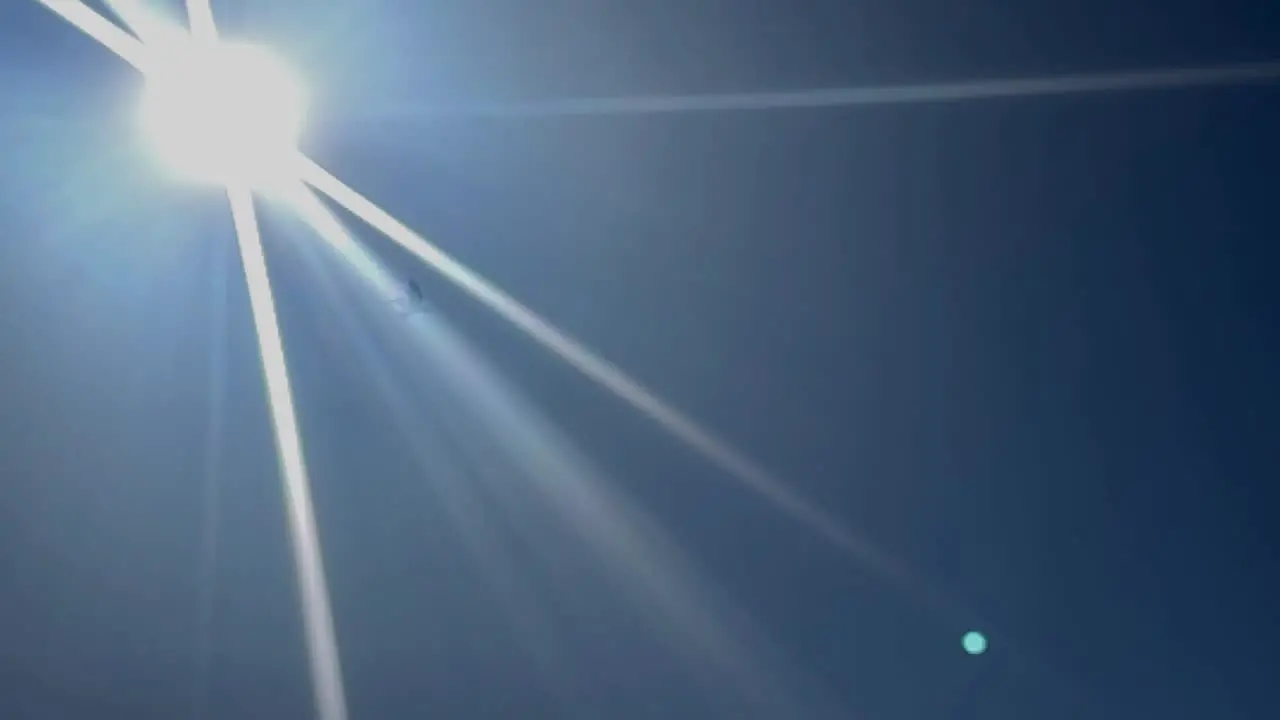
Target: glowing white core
[(224, 113)]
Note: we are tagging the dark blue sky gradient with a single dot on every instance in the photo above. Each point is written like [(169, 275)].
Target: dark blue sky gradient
[(1025, 347)]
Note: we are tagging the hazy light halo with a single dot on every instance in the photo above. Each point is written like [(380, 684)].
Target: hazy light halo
[(223, 113)]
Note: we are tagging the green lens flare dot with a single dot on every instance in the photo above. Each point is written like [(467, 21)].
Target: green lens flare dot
[(975, 643)]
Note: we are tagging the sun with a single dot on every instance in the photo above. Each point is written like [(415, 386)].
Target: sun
[(223, 113)]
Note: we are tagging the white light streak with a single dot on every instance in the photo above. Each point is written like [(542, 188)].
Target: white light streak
[(322, 644), (200, 17), (598, 369), (542, 471), (146, 21), (110, 35), (985, 89)]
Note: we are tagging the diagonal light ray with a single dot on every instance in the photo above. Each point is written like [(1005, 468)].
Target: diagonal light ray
[(984, 89), (601, 371), (129, 48), (145, 21), (518, 462), (200, 17), (326, 672), (322, 645), (464, 503), (101, 29)]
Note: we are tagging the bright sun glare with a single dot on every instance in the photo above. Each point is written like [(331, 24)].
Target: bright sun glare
[(223, 113)]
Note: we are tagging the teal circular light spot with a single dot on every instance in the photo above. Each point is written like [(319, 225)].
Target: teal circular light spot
[(975, 643)]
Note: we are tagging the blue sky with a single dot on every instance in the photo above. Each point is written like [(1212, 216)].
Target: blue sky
[(1024, 347)]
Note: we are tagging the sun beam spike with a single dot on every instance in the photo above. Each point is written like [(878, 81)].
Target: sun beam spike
[(145, 21), (98, 27), (600, 370), (322, 644), (842, 97), (200, 17)]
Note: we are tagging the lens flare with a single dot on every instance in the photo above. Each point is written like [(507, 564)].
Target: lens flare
[(975, 643)]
